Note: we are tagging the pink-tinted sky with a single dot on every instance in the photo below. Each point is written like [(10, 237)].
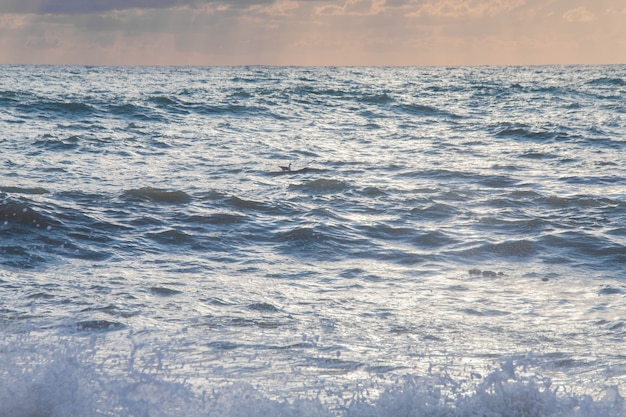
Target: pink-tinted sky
[(313, 32)]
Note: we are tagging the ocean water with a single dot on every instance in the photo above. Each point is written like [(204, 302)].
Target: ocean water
[(447, 241)]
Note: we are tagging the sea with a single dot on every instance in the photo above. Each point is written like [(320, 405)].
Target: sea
[(312, 241)]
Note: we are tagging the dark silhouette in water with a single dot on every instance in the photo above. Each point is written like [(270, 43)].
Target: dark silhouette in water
[(288, 170), (298, 170)]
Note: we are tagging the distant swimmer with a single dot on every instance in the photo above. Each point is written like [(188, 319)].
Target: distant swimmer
[(287, 168)]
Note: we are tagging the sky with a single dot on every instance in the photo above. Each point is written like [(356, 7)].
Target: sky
[(313, 32)]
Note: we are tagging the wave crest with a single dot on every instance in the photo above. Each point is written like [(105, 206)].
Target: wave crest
[(158, 195), (322, 186)]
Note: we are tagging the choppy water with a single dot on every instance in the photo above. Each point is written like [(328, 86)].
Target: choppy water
[(449, 242)]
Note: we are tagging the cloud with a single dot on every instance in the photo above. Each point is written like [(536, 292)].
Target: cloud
[(74, 7), (281, 8), (352, 8), (579, 14), (82, 6), (311, 32), (465, 8), (11, 21)]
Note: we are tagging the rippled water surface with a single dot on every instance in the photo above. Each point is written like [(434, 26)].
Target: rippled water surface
[(447, 241)]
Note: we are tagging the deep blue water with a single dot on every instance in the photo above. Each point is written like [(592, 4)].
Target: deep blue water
[(447, 242)]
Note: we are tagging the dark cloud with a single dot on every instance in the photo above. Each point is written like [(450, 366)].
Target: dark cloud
[(97, 6), (400, 3)]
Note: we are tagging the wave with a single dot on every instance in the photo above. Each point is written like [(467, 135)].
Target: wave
[(54, 144), (14, 212), (385, 231), (538, 155), (238, 93), (22, 190), (47, 109), (171, 237), (319, 242), (308, 240), (322, 186), (609, 81), (434, 239), (231, 109), (33, 234), (240, 203), (164, 291), (163, 100), (177, 106), (70, 378), (435, 211), (217, 219), (425, 110), (444, 174), (99, 325), (592, 179), (522, 131), (9, 97), (583, 202), (382, 98), (314, 90), (158, 195), (263, 308), (586, 247), (134, 111), (513, 249), (519, 226)]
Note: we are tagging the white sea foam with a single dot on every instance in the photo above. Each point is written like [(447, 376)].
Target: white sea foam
[(71, 377)]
